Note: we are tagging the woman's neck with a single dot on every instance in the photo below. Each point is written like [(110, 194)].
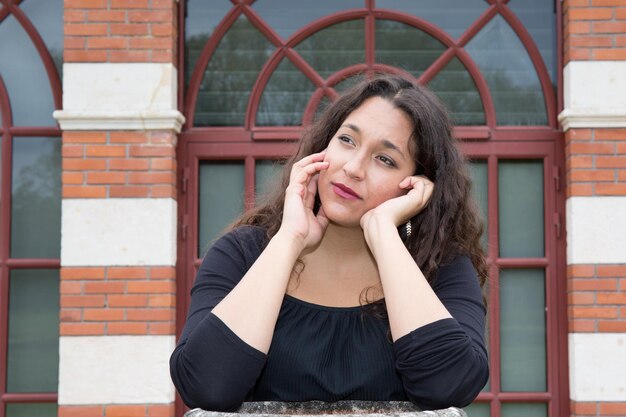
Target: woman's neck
[(344, 241)]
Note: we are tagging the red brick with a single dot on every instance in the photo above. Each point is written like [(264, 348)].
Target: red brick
[(579, 54), (611, 189), (84, 137), (576, 326), (621, 175), (127, 300), (158, 151), (71, 287), (611, 298), (608, 2), (74, 42), (580, 190), (129, 164), (162, 273), (73, 16), (591, 14), (610, 134), (611, 271), (129, 29), (158, 164), (162, 29), (581, 271), (151, 178), (162, 138), (84, 56), (592, 175), (611, 162), (129, 137), (71, 315), (72, 178), (85, 29), (85, 4), (103, 314), (620, 40), (579, 134), (150, 314), (150, 43), (621, 148), (163, 191), (593, 284), (580, 298), (161, 410), (583, 408), (594, 312), (127, 328), (162, 301), (590, 41), (129, 4), (72, 151), (129, 56), (125, 411), (577, 27), (607, 27), (80, 411), (84, 191), (105, 151), (75, 164), (81, 329), (612, 326), (612, 409), (151, 287), (107, 43), (162, 4), (106, 16), (127, 273), (592, 148), (164, 16), (129, 191), (580, 161), (104, 287), (161, 328), (609, 54), (106, 177), (82, 273), (82, 301)]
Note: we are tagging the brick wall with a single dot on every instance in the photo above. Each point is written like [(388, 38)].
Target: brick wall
[(594, 40), (118, 283)]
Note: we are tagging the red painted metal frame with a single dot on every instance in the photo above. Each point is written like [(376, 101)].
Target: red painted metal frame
[(9, 134), (489, 142)]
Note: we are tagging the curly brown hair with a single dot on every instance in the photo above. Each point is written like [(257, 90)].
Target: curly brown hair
[(450, 224)]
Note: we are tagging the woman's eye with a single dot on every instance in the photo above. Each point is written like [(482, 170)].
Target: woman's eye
[(345, 139), (387, 161)]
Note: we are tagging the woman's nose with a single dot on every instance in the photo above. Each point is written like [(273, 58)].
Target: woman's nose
[(355, 168)]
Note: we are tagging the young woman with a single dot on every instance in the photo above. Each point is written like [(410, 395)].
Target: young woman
[(361, 279)]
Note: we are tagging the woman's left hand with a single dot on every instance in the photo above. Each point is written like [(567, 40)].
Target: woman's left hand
[(398, 210)]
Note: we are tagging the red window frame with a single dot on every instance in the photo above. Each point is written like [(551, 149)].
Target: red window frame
[(8, 133), (489, 142)]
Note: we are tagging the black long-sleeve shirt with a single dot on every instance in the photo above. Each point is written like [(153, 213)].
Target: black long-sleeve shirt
[(327, 353)]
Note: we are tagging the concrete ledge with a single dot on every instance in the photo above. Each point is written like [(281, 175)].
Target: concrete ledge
[(320, 408)]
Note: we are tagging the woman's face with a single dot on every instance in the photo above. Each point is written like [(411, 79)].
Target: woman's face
[(369, 156)]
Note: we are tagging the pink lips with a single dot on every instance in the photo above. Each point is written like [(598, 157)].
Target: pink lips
[(345, 191)]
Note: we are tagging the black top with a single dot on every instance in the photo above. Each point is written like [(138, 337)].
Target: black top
[(327, 353)]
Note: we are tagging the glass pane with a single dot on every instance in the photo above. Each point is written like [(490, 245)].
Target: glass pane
[(480, 189), (478, 410), (36, 198), (456, 88), (221, 186), (405, 47), (33, 357), (524, 410), (334, 47), (285, 97), (200, 20), (25, 77), (453, 16), (348, 83), (510, 74), (47, 16), (520, 207), (523, 330), (230, 75), (32, 410), (267, 173), (286, 16), (539, 18)]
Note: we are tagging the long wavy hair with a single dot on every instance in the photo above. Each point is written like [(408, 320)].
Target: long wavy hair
[(450, 224)]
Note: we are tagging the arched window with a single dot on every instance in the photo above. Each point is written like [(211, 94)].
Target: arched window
[(31, 48), (254, 72)]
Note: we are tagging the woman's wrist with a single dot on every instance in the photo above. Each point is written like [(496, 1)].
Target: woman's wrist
[(378, 230)]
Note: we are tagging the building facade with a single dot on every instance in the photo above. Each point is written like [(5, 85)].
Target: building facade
[(134, 131)]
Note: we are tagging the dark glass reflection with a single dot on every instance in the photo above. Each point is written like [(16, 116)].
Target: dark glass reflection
[(47, 16), (36, 198)]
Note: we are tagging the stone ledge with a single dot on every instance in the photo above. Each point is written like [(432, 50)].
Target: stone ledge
[(320, 409)]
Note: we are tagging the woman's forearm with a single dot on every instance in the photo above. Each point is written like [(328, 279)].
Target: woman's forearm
[(411, 302), (251, 309)]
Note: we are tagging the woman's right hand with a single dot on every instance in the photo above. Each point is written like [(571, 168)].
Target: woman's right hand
[(299, 220)]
